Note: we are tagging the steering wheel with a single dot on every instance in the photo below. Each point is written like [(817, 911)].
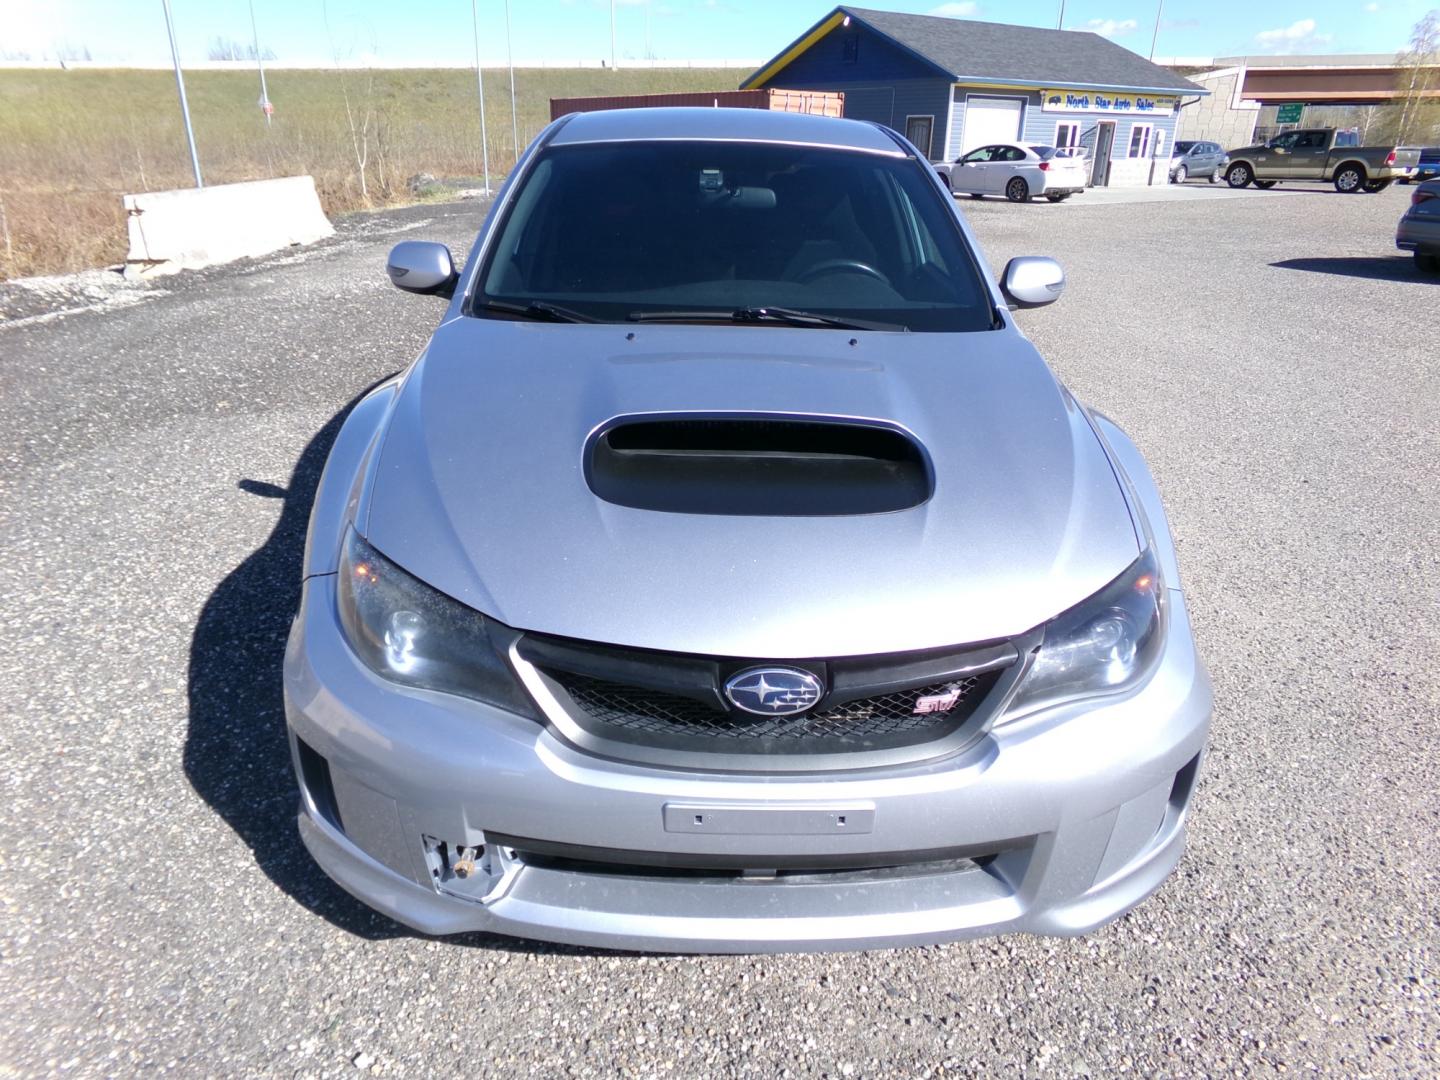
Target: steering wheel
[(841, 266)]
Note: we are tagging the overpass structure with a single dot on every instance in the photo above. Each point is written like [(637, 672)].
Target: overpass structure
[(1241, 86)]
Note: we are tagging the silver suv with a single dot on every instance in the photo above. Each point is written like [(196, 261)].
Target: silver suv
[(1191, 160), (730, 573)]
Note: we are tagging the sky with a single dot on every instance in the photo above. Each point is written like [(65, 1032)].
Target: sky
[(439, 31)]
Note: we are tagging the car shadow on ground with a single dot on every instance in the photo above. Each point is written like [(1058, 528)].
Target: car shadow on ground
[(1377, 268), (237, 757)]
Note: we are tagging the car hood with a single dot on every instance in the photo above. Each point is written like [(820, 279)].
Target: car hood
[(480, 490)]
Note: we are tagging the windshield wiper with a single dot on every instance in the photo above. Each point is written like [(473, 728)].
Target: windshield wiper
[(788, 316), (538, 309)]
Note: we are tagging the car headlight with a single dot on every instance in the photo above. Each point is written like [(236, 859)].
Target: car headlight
[(1102, 645), (414, 635)]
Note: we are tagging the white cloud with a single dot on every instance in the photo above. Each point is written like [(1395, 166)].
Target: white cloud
[(1110, 27), (1372, 8), (961, 10), (1298, 37)]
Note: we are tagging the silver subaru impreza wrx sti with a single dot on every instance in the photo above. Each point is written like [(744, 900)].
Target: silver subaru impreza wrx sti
[(729, 573)]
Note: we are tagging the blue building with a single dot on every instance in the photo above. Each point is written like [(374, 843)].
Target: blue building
[(951, 85)]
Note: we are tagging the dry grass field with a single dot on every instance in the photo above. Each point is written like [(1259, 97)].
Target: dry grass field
[(71, 142)]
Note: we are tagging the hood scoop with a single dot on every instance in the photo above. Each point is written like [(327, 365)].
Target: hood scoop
[(781, 467)]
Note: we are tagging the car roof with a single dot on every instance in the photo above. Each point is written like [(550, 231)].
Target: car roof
[(728, 125)]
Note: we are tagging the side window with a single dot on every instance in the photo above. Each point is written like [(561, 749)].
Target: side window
[(1312, 140), (975, 157), (1010, 153), (1286, 141)]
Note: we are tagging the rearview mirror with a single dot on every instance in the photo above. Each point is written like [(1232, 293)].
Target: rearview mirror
[(1032, 281), (422, 266)]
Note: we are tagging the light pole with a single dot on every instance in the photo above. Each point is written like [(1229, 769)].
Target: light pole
[(1159, 10), (184, 105), (480, 90), (612, 35), (1060, 22), (510, 56), (265, 105)]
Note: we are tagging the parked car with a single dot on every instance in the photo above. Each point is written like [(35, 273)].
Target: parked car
[(1427, 166), (1419, 229), (1192, 159), (1019, 172), (730, 573), (1320, 154)]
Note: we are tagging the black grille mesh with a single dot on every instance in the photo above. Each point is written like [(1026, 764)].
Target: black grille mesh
[(630, 712)]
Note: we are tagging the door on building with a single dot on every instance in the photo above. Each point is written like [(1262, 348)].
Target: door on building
[(1104, 144), (991, 120), (919, 130)]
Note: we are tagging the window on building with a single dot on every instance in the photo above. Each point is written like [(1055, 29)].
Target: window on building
[(919, 130), (1067, 135), (1140, 135), (850, 49)]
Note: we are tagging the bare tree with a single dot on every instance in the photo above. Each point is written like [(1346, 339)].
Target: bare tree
[(224, 48), (1418, 80), (359, 135)]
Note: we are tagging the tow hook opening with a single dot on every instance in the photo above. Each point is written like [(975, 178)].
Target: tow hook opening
[(478, 872)]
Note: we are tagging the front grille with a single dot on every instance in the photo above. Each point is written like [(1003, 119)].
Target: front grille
[(638, 714)]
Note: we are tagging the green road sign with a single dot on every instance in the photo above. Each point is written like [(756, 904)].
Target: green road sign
[(1289, 114)]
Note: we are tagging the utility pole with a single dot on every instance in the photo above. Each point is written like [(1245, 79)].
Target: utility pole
[(612, 35), (184, 105), (265, 105), (510, 56), (1159, 10), (1060, 22), (480, 90)]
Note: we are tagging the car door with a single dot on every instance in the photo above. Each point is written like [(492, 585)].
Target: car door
[(1012, 161), (969, 172), (1309, 154), (1207, 159), (1275, 160)]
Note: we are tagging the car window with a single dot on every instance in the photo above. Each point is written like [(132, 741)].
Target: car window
[(1010, 153), (1286, 141), (1045, 152), (1183, 147), (1311, 140), (977, 156), (614, 229)]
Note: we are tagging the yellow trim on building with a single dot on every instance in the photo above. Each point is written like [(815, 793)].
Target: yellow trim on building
[(821, 29)]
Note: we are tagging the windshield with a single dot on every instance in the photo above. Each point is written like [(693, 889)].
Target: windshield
[(618, 231)]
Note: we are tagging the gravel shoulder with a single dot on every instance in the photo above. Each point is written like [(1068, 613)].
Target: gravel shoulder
[(1274, 358)]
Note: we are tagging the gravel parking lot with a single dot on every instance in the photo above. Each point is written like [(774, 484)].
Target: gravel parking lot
[(1274, 357)]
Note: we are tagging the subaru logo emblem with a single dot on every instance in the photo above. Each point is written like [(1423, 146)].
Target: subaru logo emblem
[(770, 691)]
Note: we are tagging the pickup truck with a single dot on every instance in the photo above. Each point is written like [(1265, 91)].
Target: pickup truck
[(1320, 154)]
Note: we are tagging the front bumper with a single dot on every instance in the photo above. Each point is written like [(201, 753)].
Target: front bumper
[(1073, 814)]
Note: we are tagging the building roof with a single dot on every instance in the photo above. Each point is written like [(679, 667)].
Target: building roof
[(968, 50)]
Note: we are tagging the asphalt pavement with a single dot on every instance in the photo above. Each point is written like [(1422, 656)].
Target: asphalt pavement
[(1274, 357)]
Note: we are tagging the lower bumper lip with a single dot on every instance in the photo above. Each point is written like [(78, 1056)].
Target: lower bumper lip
[(1077, 806)]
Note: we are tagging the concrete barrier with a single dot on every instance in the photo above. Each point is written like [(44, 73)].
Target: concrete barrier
[(195, 227)]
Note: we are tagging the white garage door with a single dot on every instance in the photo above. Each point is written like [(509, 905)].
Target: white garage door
[(990, 120)]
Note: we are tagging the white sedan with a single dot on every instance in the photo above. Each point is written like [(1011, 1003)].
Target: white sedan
[(1019, 172)]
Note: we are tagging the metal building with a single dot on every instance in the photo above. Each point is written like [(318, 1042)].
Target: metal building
[(952, 85)]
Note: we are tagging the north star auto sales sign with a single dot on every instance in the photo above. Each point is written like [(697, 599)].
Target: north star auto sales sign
[(1100, 101)]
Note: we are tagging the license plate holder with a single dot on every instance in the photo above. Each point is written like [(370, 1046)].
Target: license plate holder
[(738, 819)]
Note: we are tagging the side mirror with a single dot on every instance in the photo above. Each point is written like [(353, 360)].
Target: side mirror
[(1032, 281), (422, 266)]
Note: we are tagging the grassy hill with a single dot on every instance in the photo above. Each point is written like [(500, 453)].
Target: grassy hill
[(71, 142)]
